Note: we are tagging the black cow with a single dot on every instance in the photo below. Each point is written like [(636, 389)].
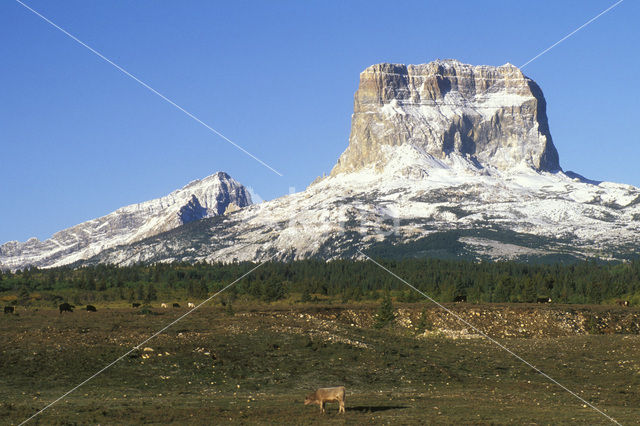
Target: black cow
[(9, 309), (543, 300), (460, 298), (619, 302), (175, 305), (66, 307), (91, 308), (135, 305)]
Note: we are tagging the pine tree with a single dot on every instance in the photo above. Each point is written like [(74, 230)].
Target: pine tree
[(202, 290), (306, 296), (152, 293), (529, 291), (424, 323), (23, 294), (140, 291), (385, 313), (229, 309)]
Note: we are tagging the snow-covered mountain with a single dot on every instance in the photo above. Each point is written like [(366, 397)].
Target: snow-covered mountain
[(211, 196), (453, 211), (444, 159)]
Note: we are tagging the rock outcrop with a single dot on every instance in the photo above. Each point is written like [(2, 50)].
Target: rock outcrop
[(208, 197), (494, 117)]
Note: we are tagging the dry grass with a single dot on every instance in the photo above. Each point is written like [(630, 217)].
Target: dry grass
[(256, 367)]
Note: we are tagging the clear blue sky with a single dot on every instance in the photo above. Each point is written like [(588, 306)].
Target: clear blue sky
[(79, 139)]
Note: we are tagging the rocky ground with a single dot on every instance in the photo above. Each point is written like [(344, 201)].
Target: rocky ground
[(257, 365)]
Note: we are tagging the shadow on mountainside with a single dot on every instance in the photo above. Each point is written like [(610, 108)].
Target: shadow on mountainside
[(574, 175)]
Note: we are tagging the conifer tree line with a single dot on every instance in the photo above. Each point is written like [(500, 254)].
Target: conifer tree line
[(586, 282)]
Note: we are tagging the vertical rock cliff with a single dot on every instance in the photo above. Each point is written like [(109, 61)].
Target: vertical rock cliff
[(491, 116)]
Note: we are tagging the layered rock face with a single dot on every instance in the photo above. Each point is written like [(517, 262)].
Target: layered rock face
[(199, 199), (493, 116)]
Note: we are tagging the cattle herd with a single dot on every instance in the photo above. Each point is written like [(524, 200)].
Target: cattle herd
[(463, 298), (67, 307)]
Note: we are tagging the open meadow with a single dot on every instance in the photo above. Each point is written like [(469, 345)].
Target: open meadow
[(256, 365)]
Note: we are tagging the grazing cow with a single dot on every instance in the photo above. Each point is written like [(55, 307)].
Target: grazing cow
[(460, 298), (135, 305), (323, 395), (66, 307), (543, 300), (9, 309), (622, 302), (91, 308), (176, 305), (164, 305), (191, 305)]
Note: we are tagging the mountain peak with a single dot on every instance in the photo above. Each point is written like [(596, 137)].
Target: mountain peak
[(216, 177), (213, 195), (493, 116)]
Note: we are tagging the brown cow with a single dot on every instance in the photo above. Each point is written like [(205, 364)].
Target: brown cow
[(323, 395), (622, 302)]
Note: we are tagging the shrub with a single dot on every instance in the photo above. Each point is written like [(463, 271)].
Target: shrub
[(146, 310), (591, 325)]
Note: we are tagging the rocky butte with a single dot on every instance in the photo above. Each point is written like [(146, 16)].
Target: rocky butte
[(444, 159), (493, 116)]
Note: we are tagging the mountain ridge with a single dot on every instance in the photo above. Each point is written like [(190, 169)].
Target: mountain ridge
[(473, 179), (198, 199), (510, 201), (337, 216)]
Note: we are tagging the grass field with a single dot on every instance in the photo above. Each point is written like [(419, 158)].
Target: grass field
[(257, 365)]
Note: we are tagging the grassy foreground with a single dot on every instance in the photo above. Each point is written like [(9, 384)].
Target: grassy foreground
[(257, 365)]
